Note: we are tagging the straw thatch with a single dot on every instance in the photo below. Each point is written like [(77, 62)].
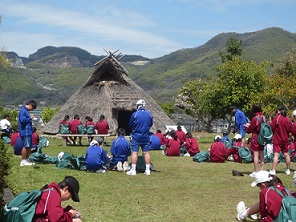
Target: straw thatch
[(110, 92)]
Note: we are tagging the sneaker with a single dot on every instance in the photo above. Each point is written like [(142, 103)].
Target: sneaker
[(147, 172), (119, 167), (241, 207), (186, 154), (131, 173), (287, 172), (252, 174), (162, 152), (30, 161), (25, 163), (101, 171), (254, 217), (272, 172), (125, 166)]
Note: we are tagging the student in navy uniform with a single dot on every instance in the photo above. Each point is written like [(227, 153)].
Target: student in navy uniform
[(120, 151), (140, 123), (26, 131), (155, 143), (240, 121), (96, 157)]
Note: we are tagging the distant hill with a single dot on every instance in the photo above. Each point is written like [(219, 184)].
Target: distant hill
[(52, 74)]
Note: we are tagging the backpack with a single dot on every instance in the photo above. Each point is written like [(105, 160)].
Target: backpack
[(64, 129), (81, 129), (64, 161), (202, 156), (245, 154), (90, 129), (265, 134), (22, 207), (227, 143), (6, 139), (141, 165), (288, 209)]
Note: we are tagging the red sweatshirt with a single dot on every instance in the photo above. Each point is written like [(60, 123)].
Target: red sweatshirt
[(49, 207), (281, 127), (74, 124), (161, 137), (254, 128), (173, 147), (181, 136), (218, 152), (192, 146), (270, 203), (102, 127)]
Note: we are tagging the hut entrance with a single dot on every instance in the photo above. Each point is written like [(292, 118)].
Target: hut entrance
[(123, 120)]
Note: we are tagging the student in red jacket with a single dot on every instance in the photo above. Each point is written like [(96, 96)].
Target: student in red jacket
[(191, 145), (66, 121), (172, 144), (218, 151), (49, 207), (102, 125), (35, 138), (233, 151), (270, 202), (254, 128), (73, 128), (89, 124), (14, 137), (181, 135), (160, 135), (281, 128)]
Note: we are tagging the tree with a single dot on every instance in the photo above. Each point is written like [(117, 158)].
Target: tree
[(47, 113), (233, 49)]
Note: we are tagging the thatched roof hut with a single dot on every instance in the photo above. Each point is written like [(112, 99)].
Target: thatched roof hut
[(110, 92)]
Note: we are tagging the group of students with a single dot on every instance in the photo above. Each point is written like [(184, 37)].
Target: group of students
[(100, 127), (177, 142)]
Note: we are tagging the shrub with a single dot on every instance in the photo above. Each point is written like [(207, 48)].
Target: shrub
[(4, 160)]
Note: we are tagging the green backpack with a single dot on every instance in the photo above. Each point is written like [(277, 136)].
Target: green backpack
[(288, 209), (228, 143), (202, 156), (81, 129), (90, 129), (64, 129), (265, 134), (22, 207), (245, 154), (141, 165), (64, 161)]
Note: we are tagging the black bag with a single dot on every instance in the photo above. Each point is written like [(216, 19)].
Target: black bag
[(141, 165)]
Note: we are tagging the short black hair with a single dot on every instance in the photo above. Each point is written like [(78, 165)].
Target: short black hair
[(32, 103)]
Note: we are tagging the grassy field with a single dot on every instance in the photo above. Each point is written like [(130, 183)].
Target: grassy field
[(182, 190)]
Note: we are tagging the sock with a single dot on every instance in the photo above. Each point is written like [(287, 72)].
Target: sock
[(147, 166), (134, 167)]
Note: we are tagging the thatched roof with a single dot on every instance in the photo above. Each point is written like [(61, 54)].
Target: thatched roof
[(110, 92)]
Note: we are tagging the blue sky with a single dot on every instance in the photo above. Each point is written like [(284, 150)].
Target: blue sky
[(140, 27)]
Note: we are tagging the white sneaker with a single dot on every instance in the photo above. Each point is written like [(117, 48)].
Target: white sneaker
[(254, 217), (252, 174), (162, 152), (30, 161), (272, 172), (186, 154), (287, 172), (147, 172), (101, 171), (131, 173), (25, 163), (125, 166), (241, 207), (119, 167)]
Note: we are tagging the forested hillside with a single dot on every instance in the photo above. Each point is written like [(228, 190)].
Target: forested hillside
[(52, 74)]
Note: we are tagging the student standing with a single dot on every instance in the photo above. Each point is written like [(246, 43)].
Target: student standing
[(26, 131), (240, 121), (140, 123), (281, 127)]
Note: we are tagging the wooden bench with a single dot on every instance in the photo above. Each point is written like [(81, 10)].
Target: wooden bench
[(64, 136)]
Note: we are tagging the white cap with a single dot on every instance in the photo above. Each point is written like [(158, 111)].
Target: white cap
[(218, 137), (260, 177), (237, 136), (294, 113), (140, 103)]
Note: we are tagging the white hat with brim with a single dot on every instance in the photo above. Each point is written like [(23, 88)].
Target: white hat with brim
[(218, 137), (261, 177)]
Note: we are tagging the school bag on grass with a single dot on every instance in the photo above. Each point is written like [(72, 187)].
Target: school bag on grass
[(22, 207), (288, 209), (202, 156), (64, 129), (141, 165), (265, 134)]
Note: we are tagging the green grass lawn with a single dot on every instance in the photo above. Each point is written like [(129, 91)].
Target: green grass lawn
[(182, 190)]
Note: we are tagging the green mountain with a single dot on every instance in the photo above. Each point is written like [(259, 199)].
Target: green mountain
[(52, 74)]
